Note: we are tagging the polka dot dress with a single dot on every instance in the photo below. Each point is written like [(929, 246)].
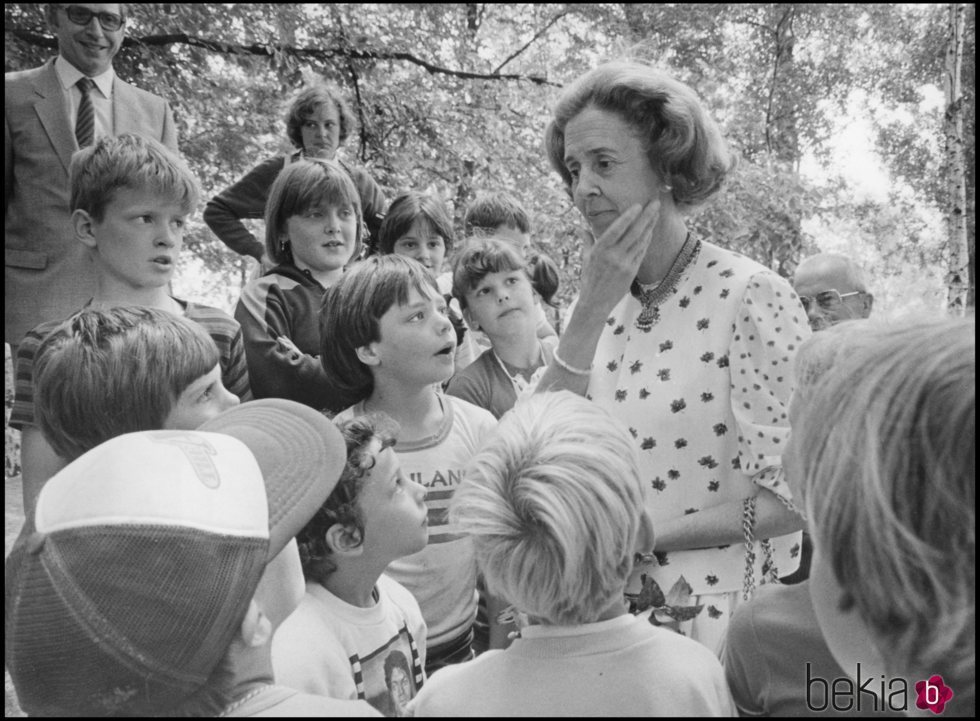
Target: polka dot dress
[(703, 379)]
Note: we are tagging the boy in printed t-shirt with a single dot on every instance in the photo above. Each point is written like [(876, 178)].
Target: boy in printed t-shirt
[(388, 344), (354, 621)]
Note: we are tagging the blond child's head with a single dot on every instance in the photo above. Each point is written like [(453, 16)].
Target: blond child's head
[(884, 449), (130, 162), (554, 504), (130, 198)]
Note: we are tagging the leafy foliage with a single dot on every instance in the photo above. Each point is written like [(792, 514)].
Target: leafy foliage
[(453, 98)]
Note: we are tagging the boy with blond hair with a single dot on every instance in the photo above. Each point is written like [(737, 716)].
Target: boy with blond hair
[(554, 505), (353, 619), (130, 197), (388, 345)]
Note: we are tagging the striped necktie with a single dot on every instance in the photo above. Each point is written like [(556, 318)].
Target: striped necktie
[(85, 124)]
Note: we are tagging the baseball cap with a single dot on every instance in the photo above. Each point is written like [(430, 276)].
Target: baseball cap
[(147, 550)]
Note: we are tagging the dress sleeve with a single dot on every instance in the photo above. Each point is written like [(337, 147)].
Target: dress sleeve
[(244, 199), (769, 328)]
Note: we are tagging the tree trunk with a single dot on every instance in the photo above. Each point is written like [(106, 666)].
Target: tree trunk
[(958, 278), (782, 132)]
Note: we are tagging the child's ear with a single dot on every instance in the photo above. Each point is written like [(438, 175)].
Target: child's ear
[(82, 223), (256, 629), (368, 355), (345, 540)]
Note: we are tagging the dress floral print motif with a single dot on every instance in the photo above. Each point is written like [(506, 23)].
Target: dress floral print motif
[(702, 376)]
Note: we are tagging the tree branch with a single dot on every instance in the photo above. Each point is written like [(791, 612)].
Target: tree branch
[(538, 34), (270, 50)]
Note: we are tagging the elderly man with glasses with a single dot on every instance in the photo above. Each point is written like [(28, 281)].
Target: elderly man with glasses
[(49, 113), (831, 288)]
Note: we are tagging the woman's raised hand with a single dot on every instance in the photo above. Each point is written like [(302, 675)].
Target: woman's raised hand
[(611, 263)]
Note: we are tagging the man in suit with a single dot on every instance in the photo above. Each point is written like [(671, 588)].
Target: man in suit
[(48, 273)]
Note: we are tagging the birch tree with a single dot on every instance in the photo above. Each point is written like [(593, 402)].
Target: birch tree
[(958, 279)]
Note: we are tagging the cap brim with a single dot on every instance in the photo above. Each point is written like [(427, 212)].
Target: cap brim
[(300, 452)]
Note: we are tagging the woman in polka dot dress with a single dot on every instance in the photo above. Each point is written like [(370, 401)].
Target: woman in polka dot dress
[(690, 344)]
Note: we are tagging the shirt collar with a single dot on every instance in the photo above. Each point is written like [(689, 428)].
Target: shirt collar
[(68, 74), (544, 631)]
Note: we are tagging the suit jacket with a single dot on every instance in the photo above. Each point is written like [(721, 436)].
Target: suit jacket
[(48, 273)]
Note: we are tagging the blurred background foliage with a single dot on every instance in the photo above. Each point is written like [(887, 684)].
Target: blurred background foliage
[(453, 98)]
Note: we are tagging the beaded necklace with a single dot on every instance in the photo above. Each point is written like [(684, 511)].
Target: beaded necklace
[(652, 297)]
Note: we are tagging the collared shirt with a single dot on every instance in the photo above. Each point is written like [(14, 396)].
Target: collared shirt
[(69, 75)]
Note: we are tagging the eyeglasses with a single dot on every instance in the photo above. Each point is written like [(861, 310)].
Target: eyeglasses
[(83, 16), (827, 299)]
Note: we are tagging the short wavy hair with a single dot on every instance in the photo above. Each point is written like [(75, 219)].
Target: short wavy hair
[(132, 162), (887, 454), (491, 209), (341, 506), (301, 186), (102, 373), (305, 103), (683, 143), (350, 317), (408, 207), (553, 503)]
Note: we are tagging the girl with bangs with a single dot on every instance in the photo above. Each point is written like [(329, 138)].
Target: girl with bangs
[(313, 230)]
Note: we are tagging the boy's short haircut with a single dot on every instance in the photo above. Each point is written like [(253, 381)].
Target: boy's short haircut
[(102, 373), (147, 553), (341, 507), (477, 259), (405, 210), (133, 162), (492, 209), (553, 503), (300, 187), (351, 312), (887, 456), (305, 103)]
